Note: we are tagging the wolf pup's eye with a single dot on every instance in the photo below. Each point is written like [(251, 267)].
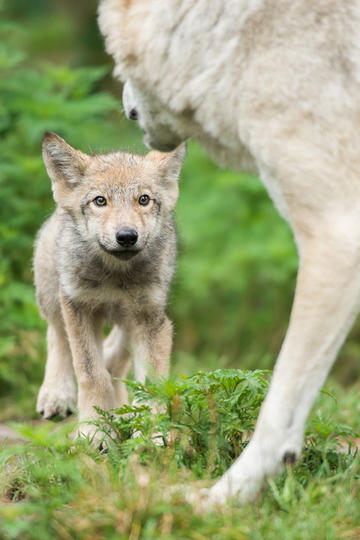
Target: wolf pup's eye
[(99, 201), (144, 200)]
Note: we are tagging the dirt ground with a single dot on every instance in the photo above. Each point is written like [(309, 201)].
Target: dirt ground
[(9, 436)]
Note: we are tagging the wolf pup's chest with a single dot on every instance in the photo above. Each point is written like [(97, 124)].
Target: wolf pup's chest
[(113, 291)]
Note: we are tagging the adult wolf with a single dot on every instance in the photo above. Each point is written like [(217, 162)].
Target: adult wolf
[(106, 254), (276, 81)]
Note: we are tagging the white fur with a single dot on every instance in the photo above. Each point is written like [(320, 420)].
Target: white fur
[(275, 85)]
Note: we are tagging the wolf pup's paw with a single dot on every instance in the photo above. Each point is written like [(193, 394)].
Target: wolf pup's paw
[(56, 400)]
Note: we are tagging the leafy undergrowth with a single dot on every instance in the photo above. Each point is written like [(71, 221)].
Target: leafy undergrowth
[(56, 488)]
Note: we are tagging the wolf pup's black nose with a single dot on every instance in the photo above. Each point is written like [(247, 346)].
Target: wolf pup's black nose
[(126, 237)]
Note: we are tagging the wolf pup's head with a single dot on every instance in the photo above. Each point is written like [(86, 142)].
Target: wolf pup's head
[(117, 201)]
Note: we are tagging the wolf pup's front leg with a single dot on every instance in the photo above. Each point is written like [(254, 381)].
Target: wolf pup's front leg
[(57, 395), (151, 343), (95, 387)]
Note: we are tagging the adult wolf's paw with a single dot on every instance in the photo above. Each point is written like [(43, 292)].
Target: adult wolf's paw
[(56, 400)]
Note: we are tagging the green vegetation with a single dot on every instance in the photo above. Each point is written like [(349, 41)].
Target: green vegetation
[(55, 488), (230, 304)]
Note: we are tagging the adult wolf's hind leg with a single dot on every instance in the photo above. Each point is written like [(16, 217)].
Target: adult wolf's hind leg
[(117, 361), (57, 395), (326, 303)]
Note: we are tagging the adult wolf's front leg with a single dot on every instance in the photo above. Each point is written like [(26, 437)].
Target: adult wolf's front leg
[(326, 303), (95, 386)]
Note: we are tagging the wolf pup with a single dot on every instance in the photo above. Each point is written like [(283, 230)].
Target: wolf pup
[(106, 254)]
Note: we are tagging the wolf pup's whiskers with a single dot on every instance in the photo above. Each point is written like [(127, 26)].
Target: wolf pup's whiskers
[(107, 254)]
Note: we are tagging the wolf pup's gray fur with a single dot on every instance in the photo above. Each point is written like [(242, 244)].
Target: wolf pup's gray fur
[(273, 85), (106, 254)]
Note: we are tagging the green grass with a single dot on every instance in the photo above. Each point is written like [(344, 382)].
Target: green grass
[(53, 487)]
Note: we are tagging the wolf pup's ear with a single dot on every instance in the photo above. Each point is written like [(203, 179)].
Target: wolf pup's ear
[(169, 163), (168, 166), (65, 165)]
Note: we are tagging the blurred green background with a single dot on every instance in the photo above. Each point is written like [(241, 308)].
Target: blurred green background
[(232, 293)]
